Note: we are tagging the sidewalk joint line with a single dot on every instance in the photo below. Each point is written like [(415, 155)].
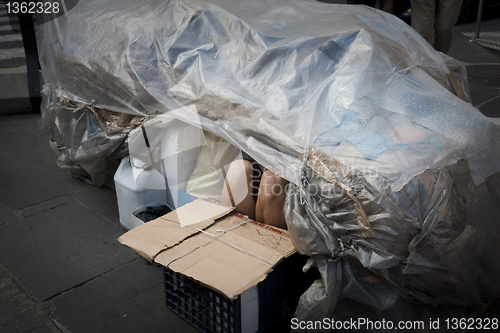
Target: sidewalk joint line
[(487, 101)]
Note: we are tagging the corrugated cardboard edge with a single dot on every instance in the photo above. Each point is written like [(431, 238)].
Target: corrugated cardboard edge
[(288, 251), (231, 296), (149, 244), (243, 289)]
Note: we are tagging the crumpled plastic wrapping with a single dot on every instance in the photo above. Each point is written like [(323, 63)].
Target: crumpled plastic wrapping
[(89, 142), (430, 243), (344, 100), (289, 79)]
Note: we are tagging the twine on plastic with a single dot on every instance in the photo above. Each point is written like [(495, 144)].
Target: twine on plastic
[(146, 118), (212, 237), (343, 248), (91, 104), (146, 140), (316, 162)]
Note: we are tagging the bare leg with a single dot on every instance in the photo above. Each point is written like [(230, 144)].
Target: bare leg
[(237, 189), (271, 199)]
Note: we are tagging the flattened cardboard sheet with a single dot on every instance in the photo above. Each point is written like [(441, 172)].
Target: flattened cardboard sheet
[(229, 255)]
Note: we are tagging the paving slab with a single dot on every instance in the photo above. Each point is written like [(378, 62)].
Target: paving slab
[(481, 94), (27, 120), (24, 188), (135, 277), (44, 164), (14, 85), (491, 108), (58, 249), (107, 205), (18, 141), (6, 215), (8, 164), (72, 184), (470, 52), (20, 313), (467, 51), (50, 204), (98, 307), (23, 121), (153, 300)]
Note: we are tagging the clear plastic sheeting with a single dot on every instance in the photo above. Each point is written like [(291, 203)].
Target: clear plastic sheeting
[(430, 242), (270, 77), (343, 100), (89, 142)]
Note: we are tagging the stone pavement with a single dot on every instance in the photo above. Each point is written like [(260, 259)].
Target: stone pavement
[(61, 268), (484, 85), (14, 81)]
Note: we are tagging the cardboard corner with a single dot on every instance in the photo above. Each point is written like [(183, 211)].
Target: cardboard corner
[(153, 237)]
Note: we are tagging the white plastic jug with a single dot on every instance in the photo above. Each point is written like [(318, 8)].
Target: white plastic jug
[(135, 188)]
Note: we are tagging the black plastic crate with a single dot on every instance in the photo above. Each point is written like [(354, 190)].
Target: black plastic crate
[(210, 311)]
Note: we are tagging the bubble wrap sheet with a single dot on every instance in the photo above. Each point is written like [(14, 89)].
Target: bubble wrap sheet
[(344, 100)]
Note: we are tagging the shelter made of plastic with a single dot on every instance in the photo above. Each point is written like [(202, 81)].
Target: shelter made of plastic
[(395, 192)]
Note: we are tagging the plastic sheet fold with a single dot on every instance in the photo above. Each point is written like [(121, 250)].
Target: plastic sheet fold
[(89, 142), (394, 172)]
